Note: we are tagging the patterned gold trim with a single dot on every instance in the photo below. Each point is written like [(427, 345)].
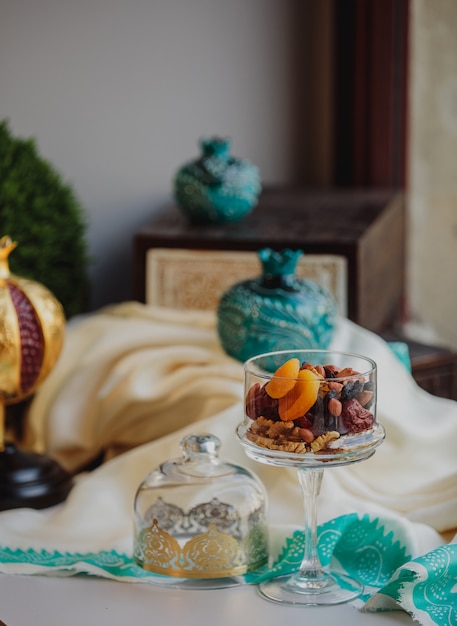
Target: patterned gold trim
[(212, 554)]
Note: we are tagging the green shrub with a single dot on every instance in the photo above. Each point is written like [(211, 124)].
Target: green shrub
[(43, 215)]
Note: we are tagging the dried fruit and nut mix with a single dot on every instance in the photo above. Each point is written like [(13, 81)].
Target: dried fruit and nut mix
[(303, 408)]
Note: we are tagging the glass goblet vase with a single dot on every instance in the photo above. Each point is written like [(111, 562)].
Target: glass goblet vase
[(310, 410)]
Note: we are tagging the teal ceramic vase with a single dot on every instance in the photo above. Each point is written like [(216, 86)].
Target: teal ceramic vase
[(276, 311), (217, 187)]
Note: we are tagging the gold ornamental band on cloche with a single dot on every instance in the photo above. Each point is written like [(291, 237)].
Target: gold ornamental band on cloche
[(210, 554), (32, 327)]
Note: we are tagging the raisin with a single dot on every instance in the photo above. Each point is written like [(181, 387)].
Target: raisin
[(330, 371), (315, 410), (351, 389)]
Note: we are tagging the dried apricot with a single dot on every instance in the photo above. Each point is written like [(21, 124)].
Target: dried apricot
[(284, 379), (301, 397)]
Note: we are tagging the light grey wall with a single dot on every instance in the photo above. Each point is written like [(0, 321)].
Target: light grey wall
[(117, 94)]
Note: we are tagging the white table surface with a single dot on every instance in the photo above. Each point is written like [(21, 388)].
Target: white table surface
[(74, 601)]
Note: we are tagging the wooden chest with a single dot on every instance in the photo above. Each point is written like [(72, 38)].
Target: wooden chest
[(353, 239)]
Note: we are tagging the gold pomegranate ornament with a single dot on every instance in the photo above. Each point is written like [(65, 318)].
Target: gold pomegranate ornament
[(32, 327)]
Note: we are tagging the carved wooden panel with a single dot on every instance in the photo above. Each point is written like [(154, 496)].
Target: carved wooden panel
[(195, 279)]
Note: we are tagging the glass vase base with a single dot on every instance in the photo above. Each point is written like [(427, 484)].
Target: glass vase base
[(294, 590)]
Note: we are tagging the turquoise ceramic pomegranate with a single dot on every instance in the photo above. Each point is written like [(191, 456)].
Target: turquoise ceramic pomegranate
[(276, 311), (216, 187)]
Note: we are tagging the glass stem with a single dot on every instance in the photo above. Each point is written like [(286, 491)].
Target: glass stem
[(311, 568)]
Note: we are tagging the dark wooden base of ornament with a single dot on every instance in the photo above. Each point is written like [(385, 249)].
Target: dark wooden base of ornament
[(28, 479)]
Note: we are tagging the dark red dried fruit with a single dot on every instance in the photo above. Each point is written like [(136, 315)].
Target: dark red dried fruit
[(303, 422), (258, 403), (355, 417)]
